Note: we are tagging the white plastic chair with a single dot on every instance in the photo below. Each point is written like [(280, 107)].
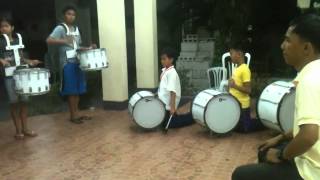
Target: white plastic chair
[(230, 66), (215, 76)]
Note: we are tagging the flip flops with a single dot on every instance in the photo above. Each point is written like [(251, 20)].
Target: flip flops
[(76, 120), (30, 133), (85, 118)]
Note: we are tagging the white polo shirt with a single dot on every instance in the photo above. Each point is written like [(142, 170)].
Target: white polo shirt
[(169, 82)]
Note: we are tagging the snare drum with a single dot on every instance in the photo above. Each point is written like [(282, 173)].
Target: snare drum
[(276, 106), (93, 60), (218, 111), (32, 82), (147, 110)]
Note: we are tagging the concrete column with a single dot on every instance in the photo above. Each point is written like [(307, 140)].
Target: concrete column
[(304, 4), (145, 18), (112, 34)]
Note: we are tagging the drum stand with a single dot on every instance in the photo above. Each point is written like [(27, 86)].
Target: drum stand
[(167, 126)]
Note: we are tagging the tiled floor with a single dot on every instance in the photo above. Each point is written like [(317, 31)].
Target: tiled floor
[(111, 147)]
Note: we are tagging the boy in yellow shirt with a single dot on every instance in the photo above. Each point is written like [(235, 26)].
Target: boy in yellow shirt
[(240, 88)]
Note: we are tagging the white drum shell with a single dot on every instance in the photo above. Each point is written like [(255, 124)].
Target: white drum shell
[(147, 111), (276, 106), (219, 112), (93, 60), (32, 82)]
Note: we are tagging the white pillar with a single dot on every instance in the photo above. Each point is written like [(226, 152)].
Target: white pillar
[(112, 33), (304, 4), (145, 18)]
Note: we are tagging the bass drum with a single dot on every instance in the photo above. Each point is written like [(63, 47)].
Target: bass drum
[(276, 106), (147, 110), (218, 111)]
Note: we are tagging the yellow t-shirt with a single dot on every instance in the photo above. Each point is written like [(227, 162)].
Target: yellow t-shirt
[(241, 75), (307, 111)]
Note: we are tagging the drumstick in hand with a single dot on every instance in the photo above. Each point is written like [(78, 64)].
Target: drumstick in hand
[(167, 127)]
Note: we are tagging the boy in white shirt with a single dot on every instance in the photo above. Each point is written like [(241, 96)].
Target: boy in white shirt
[(169, 91)]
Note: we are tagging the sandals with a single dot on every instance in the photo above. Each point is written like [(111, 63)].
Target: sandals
[(30, 133), (19, 136), (86, 118), (76, 120)]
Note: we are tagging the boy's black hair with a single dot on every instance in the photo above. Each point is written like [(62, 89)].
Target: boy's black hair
[(67, 8), (307, 27), (239, 46), (170, 52), (7, 18)]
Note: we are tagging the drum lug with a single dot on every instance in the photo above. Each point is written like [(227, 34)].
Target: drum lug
[(47, 88), (89, 66), (39, 89), (30, 89), (96, 65)]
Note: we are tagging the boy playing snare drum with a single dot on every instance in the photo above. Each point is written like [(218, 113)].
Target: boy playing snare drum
[(68, 38), (18, 106)]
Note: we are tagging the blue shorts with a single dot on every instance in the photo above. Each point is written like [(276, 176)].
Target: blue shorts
[(73, 82)]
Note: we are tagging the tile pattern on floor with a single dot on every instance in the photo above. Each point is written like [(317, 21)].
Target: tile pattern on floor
[(111, 147)]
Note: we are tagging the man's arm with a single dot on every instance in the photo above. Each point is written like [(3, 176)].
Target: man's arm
[(305, 139), (276, 140)]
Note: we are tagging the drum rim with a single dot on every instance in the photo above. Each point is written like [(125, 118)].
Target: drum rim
[(205, 109), (33, 94), (134, 107), (91, 50), (291, 90), (31, 69), (95, 69)]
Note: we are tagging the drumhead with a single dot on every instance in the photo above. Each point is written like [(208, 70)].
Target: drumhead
[(286, 111), (149, 112), (275, 107), (199, 104), (222, 113)]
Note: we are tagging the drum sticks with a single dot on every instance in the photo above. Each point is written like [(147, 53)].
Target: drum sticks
[(167, 127)]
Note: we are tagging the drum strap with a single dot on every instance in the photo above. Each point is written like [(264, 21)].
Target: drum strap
[(14, 48), (74, 33)]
